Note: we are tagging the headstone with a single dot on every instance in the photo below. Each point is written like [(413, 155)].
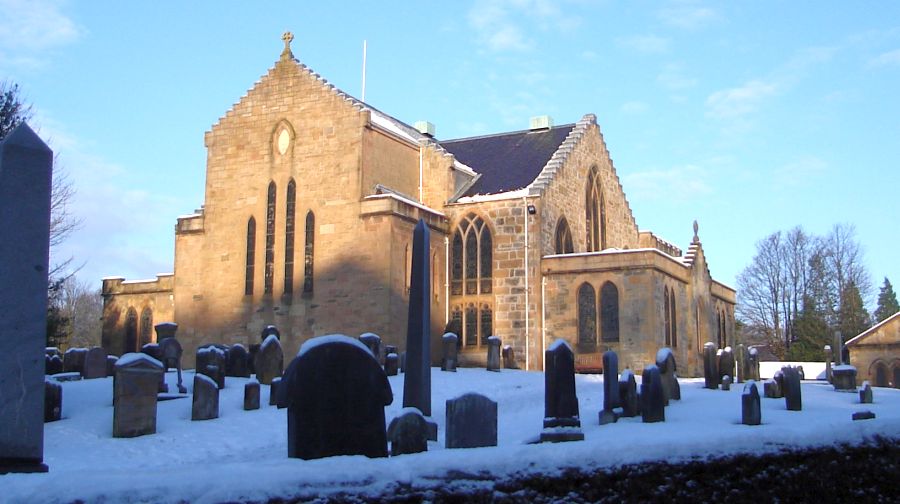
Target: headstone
[(772, 389), (134, 395), (843, 377), (25, 173), (751, 412), (54, 364), (274, 391), (793, 398), (417, 368), (653, 404), (95, 363), (73, 360), (373, 342), (493, 353), (710, 366), (741, 363), (111, 365), (449, 347), (236, 365), (863, 415), (269, 361), (391, 364), (152, 349), (251, 395), (828, 357), (51, 351), (269, 330), (52, 400), (725, 362), (509, 357), (165, 330), (210, 361), (471, 421), (408, 432), (561, 419), (628, 395), (865, 393), (726, 383), (335, 394), (610, 388), (171, 351), (665, 361), (205, 405), (390, 349), (753, 364)]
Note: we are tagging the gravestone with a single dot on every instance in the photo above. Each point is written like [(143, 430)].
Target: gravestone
[(52, 400), (269, 362), (274, 391), (493, 353), (95, 363), (236, 364), (471, 421), (561, 419), (509, 357), (205, 405), (726, 383), (73, 360), (710, 366), (210, 361), (665, 361), (152, 349), (54, 364), (171, 351), (628, 395), (390, 349), (863, 415), (135, 387), (408, 432), (391, 364), (753, 364), (165, 330), (335, 394), (865, 393), (653, 404), (843, 377), (793, 398), (251, 395), (751, 412), (25, 173), (741, 361), (373, 342), (111, 365), (417, 365), (267, 331), (725, 363), (828, 357), (449, 354), (610, 388)]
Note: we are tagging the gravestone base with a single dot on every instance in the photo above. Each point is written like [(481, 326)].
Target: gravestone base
[(844, 378), (8, 465), (608, 417), (863, 415), (561, 434)]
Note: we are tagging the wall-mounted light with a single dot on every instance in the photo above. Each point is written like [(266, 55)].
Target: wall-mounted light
[(532, 210)]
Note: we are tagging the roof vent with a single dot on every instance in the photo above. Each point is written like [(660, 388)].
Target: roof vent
[(540, 123), (425, 128)]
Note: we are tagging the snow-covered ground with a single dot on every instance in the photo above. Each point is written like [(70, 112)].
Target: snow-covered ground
[(242, 455)]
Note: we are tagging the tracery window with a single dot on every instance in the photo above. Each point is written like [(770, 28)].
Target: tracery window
[(270, 240), (673, 319), (595, 217), (289, 221), (251, 256), (609, 312), (131, 331), (308, 252), (668, 318), (146, 326), (587, 318), (563, 237), (471, 279)]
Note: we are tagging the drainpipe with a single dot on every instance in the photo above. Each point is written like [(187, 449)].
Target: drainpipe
[(527, 339), (543, 317), (446, 280)]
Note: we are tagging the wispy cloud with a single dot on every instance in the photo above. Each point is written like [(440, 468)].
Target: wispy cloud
[(677, 184), (508, 25), (32, 28), (803, 171), (739, 101), (648, 44), (688, 15), (634, 107), (890, 58), (673, 78)]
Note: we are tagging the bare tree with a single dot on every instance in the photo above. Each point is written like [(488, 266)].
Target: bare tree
[(81, 309)]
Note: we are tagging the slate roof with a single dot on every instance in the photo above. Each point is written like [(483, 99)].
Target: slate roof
[(507, 161)]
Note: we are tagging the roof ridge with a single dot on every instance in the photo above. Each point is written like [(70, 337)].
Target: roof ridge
[(505, 133), (558, 159)]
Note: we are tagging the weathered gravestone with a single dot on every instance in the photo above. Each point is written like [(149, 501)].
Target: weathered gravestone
[(710, 366), (54, 364), (771, 389), (828, 357), (471, 422), (52, 400), (390, 349), (336, 393), (509, 357), (73, 360), (417, 367), (152, 349), (267, 331), (726, 383), (269, 362), (210, 361), (111, 365), (741, 361), (493, 353), (561, 419), (725, 362), (793, 398), (665, 361), (863, 415), (843, 377), (753, 364), (391, 364), (205, 404), (751, 412), (275, 392), (170, 352), (165, 330), (408, 432), (450, 349), (653, 404), (135, 387), (251, 395), (25, 173), (865, 393), (628, 395), (95, 363), (373, 343), (610, 387), (236, 363)]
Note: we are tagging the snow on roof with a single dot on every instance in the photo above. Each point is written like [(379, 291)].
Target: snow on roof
[(872, 329), (331, 338), (394, 126), (518, 193), (393, 195)]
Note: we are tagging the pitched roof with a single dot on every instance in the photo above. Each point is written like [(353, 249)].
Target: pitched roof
[(859, 337), (507, 161)]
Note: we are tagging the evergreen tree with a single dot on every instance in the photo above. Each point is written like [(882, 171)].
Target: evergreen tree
[(887, 302), (811, 333), (853, 316), (12, 110)]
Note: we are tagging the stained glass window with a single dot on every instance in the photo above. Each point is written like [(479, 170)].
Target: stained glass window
[(563, 237), (308, 252), (251, 256), (609, 312), (269, 277), (587, 318), (595, 213), (290, 210)]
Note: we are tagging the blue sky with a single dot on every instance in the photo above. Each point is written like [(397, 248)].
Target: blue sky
[(750, 117)]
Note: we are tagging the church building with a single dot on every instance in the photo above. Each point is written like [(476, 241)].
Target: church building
[(310, 202)]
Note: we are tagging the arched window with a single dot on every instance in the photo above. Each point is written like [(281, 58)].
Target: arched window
[(407, 269), (880, 375), (470, 328), (587, 318), (289, 220), (435, 277), (487, 323), (131, 331), (456, 272), (471, 278), (595, 216), (146, 326), (609, 312), (563, 237), (673, 320), (251, 256), (719, 329), (308, 252), (270, 240), (668, 318)]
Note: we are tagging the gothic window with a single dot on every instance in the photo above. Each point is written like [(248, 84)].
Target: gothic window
[(456, 272), (595, 213), (587, 318), (672, 319), (719, 329), (563, 237), (668, 323), (470, 326), (435, 277), (308, 252), (289, 237), (131, 331), (471, 278), (487, 323), (251, 256), (270, 240), (146, 326), (456, 316), (609, 312), (407, 268)]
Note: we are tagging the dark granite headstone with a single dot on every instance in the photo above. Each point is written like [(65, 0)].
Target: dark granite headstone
[(54, 364), (863, 415), (772, 389), (269, 330), (391, 364), (95, 363), (274, 391), (269, 362), (373, 343), (152, 349), (390, 349), (753, 364), (610, 388), (73, 360), (450, 348), (205, 405), (210, 361), (493, 353), (710, 366), (865, 393), (134, 395), (561, 418), (417, 367), (335, 394), (843, 377), (52, 400), (628, 395), (725, 362), (171, 351), (653, 404), (471, 422), (165, 330), (509, 357), (251, 395), (665, 361), (793, 399), (408, 432), (751, 412), (236, 365)]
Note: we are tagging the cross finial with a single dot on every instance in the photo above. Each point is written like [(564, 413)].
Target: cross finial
[(696, 228), (287, 37)]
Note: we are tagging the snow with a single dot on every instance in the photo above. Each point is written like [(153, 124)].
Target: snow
[(663, 354), (811, 370), (242, 455), (270, 340), (130, 358), (332, 338)]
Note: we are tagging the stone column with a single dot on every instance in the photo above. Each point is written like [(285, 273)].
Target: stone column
[(417, 380)]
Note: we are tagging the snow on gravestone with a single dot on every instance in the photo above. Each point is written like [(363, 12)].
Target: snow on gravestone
[(25, 173), (408, 432), (135, 387), (449, 355), (751, 413), (561, 419), (251, 394), (95, 363), (493, 354), (269, 361), (653, 404), (335, 393), (610, 388), (373, 342), (792, 393), (628, 395), (665, 361), (710, 366), (205, 405)]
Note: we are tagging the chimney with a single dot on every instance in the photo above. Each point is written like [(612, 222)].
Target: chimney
[(543, 122), (425, 128)]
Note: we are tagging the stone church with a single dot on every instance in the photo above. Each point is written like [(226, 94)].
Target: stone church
[(311, 199)]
